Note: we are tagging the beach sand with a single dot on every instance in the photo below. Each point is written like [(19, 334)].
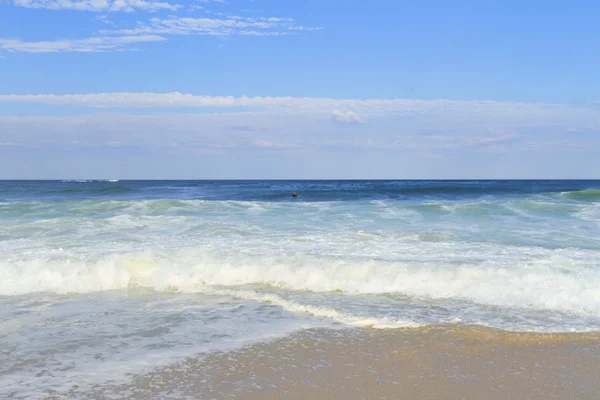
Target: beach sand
[(433, 363)]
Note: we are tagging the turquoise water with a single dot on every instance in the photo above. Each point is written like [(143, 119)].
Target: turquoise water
[(102, 280)]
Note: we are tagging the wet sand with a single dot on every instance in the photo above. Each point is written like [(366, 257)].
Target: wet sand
[(434, 363)]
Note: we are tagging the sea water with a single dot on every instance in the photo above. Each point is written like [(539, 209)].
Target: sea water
[(103, 280)]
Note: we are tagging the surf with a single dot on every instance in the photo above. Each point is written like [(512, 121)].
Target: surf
[(530, 284)]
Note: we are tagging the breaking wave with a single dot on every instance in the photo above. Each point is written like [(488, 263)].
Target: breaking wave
[(538, 284), (588, 194)]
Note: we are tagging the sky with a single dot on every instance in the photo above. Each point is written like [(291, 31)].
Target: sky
[(299, 89)]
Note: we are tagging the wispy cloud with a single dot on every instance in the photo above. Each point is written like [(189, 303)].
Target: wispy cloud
[(94, 44), (291, 134), (152, 31), (451, 141), (300, 123), (11, 144), (272, 145), (498, 139), (104, 19), (98, 5), (247, 128), (350, 110), (347, 117), (226, 26)]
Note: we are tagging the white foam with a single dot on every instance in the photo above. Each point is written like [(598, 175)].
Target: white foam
[(590, 212), (62, 276), (324, 312), (76, 344), (558, 281)]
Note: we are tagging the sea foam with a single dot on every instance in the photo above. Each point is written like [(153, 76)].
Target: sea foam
[(550, 282)]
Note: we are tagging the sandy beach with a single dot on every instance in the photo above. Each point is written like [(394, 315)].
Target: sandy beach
[(434, 363)]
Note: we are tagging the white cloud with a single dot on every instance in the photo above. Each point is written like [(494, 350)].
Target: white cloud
[(449, 141), (231, 25), (266, 143), (10, 144), (495, 111), (97, 5), (104, 19), (293, 132), (151, 31), (277, 122), (94, 44), (497, 139), (348, 117)]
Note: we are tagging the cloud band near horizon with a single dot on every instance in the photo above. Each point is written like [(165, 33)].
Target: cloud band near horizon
[(314, 104)]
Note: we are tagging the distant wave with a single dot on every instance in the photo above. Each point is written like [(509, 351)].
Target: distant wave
[(539, 208), (88, 180), (387, 193), (588, 194), (90, 190), (308, 191), (374, 190)]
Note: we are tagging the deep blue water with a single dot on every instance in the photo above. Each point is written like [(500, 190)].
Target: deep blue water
[(269, 190)]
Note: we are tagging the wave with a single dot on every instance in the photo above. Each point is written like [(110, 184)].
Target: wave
[(588, 194), (382, 207), (396, 190), (91, 190), (544, 207), (89, 180), (550, 283), (308, 191), (378, 192), (317, 311)]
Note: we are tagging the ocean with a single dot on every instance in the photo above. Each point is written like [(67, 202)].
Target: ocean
[(104, 281)]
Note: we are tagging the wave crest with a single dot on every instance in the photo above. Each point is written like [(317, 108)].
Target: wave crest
[(588, 194), (538, 284)]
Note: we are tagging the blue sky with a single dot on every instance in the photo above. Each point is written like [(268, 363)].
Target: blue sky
[(299, 89)]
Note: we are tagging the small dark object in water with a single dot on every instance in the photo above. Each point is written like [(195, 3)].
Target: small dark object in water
[(294, 194)]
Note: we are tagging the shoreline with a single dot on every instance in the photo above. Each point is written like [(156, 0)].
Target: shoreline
[(355, 363)]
